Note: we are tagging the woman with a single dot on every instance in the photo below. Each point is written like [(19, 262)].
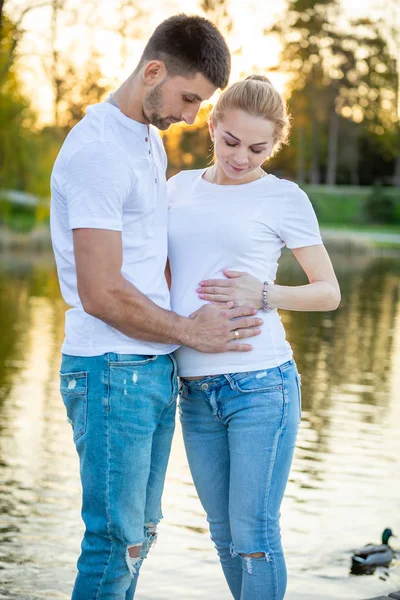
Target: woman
[(240, 412)]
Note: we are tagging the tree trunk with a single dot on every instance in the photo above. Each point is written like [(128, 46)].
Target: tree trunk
[(332, 146), (1, 12), (314, 176), (354, 177), (56, 7), (396, 176), (301, 149), (313, 104)]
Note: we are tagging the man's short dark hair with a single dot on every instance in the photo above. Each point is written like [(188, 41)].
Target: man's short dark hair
[(188, 45)]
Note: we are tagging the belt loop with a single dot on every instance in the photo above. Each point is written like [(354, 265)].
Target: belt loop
[(282, 375), (231, 381)]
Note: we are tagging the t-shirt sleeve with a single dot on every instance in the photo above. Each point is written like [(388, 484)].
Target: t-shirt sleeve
[(298, 224), (97, 182)]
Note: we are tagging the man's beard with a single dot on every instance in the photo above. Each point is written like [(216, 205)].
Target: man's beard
[(152, 107)]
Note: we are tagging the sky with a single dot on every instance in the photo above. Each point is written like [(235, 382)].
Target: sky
[(258, 52)]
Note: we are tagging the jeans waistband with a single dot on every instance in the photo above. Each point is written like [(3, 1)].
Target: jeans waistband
[(218, 380)]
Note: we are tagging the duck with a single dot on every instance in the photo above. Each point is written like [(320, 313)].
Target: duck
[(365, 560)]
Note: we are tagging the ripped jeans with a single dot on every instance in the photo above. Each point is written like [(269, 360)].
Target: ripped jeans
[(240, 431), (122, 411)]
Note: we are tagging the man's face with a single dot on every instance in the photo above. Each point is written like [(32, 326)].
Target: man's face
[(176, 99)]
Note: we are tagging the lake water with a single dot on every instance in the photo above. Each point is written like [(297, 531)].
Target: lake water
[(344, 486)]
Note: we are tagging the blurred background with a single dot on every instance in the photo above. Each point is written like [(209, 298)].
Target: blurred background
[(337, 65)]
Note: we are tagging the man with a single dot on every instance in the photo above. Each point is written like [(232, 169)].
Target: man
[(109, 232)]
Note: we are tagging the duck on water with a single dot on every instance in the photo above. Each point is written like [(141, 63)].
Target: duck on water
[(365, 560)]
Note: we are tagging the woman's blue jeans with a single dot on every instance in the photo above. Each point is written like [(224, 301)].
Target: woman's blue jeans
[(122, 411), (240, 431)]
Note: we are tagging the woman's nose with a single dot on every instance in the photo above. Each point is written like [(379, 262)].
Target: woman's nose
[(240, 159)]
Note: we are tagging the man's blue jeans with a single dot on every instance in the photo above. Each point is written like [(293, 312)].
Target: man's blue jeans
[(122, 411), (240, 431)]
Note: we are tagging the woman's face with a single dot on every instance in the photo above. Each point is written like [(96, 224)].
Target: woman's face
[(242, 143)]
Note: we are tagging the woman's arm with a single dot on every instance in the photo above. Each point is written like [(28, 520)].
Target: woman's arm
[(322, 293)]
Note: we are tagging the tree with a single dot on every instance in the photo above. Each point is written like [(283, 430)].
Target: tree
[(16, 119), (363, 80), (1, 12), (56, 7), (304, 33), (11, 33), (132, 19), (78, 89), (346, 74), (217, 11)]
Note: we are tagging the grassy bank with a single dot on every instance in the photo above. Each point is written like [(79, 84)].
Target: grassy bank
[(363, 228), (37, 238), (384, 237), (355, 206)]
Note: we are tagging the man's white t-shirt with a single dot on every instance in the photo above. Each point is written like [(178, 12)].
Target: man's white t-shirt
[(239, 227), (110, 174)]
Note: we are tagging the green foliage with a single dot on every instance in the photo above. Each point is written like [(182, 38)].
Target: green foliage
[(17, 217), (345, 71), (76, 89), (17, 122), (350, 205), (27, 154), (218, 12), (349, 73), (379, 206)]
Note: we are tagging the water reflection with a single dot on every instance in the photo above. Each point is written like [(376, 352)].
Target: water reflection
[(343, 488)]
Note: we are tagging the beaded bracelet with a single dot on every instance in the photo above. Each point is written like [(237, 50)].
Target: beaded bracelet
[(265, 306)]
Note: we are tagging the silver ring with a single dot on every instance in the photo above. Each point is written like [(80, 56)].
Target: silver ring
[(236, 334)]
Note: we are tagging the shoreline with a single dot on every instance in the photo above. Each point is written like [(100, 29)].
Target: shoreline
[(336, 239), (37, 239)]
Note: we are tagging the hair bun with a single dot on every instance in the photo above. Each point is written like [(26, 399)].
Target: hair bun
[(256, 77)]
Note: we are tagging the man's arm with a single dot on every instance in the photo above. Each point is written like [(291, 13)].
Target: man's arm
[(107, 295)]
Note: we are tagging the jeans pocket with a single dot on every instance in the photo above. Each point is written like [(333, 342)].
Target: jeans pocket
[(131, 360), (268, 380), (74, 391)]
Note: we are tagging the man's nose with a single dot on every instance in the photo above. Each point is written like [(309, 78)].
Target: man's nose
[(189, 114)]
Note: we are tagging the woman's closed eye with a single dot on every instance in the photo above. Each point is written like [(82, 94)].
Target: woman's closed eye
[(233, 145)]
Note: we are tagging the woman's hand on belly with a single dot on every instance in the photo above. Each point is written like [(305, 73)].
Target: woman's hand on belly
[(240, 288), (321, 293)]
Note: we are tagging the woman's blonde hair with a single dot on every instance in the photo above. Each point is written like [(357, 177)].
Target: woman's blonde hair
[(257, 96)]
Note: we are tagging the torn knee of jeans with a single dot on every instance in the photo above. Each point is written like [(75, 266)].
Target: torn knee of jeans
[(150, 537), (249, 564), (151, 527), (135, 550), (134, 558), (233, 551), (251, 556)]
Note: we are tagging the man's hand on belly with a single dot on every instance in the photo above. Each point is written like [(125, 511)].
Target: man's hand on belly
[(219, 330)]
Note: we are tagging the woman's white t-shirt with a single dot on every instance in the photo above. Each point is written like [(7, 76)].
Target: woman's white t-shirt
[(240, 227)]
